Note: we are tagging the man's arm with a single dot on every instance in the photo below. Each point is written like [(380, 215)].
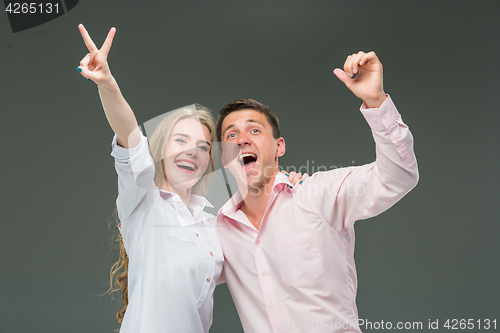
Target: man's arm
[(345, 195)]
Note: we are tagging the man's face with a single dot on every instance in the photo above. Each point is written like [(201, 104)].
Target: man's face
[(249, 149)]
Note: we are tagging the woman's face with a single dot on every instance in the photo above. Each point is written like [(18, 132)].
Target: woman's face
[(187, 154)]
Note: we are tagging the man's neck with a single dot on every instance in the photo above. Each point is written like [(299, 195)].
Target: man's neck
[(255, 203)]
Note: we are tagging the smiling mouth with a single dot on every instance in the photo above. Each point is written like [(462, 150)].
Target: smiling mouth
[(186, 166), (247, 161)]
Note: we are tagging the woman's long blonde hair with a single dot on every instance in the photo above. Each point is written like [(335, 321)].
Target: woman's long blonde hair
[(157, 145)]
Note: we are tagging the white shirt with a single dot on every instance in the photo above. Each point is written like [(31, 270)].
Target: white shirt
[(175, 257)]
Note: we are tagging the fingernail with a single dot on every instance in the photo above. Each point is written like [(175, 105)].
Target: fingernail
[(301, 182), (349, 74), (88, 79), (287, 175), (291, 186), (79, 69)]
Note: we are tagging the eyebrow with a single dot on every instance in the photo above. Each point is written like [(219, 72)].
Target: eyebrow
[(247, 121), (189, 137)]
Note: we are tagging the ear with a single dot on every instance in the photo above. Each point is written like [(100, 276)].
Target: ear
[(280, 147)]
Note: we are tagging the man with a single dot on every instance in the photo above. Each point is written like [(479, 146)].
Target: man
[(290, 250)]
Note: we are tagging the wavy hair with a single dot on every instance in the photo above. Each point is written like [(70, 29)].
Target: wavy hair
[(158, 142)]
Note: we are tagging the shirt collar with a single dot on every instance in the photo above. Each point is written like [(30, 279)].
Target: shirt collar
[(233, 204), (196, 205)]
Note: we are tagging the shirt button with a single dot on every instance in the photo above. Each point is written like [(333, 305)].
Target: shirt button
[(211, 254), (209, 279), (263, 273), (385, 116), (270, 304), (257, 242), (197, 234)]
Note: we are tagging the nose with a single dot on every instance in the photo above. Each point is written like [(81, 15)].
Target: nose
[(192, 151), (243, 140)]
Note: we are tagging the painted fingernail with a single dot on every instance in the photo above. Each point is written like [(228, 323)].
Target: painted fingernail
[(79, 69), (291, 186), (301, 182), (88, 79), (287, 175)]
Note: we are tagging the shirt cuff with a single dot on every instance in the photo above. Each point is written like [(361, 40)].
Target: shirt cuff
[(383, 117), (121, 153)]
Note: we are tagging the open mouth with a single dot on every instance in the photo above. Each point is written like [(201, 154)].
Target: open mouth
[(247, 161), (186, 165)]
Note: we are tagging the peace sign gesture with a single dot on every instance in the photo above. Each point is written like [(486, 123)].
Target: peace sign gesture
[(94, 65)]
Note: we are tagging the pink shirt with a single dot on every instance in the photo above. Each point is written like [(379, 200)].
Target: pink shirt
[(297, 273)]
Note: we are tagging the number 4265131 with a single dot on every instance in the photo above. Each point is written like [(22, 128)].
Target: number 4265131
[(32, 8)]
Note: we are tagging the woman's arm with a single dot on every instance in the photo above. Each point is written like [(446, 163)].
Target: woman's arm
[(94, 66)]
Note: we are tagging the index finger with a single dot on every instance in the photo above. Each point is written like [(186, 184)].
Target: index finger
[(368, 57), (109, 40), (86, 38)]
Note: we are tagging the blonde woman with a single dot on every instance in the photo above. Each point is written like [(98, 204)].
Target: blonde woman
[(170, 257)]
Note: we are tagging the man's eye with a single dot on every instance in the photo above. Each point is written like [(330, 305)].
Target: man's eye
[(255, 131), (232, 135)]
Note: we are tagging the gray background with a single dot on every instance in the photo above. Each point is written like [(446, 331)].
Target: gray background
[(435, 255)]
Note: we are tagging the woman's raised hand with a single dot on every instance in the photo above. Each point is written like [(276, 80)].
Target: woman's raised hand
[(94, 65)]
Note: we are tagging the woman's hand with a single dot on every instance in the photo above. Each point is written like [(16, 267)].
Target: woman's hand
[(94, 65), (295, 177)]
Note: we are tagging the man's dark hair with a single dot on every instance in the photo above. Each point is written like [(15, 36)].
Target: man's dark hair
[(241, 104)]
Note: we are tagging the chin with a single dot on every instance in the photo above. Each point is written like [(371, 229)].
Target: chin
[(183, 184)]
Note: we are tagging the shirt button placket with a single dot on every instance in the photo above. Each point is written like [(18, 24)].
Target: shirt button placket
[(266, 286)]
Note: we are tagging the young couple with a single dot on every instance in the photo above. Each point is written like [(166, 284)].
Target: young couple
[(286, 252)]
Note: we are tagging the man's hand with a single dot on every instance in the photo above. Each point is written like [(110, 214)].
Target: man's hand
[(94, 65), (367, 85)]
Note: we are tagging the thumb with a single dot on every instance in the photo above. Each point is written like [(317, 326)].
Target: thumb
[(342, 75), (85, 72)]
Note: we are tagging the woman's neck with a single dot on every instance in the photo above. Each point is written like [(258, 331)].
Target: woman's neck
[(185, 195)]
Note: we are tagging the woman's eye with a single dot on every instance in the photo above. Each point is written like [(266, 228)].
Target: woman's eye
[(204, 148), (181, 140)]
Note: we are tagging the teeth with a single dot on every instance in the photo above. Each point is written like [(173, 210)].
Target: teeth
[(246, 155), (184, 163)]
